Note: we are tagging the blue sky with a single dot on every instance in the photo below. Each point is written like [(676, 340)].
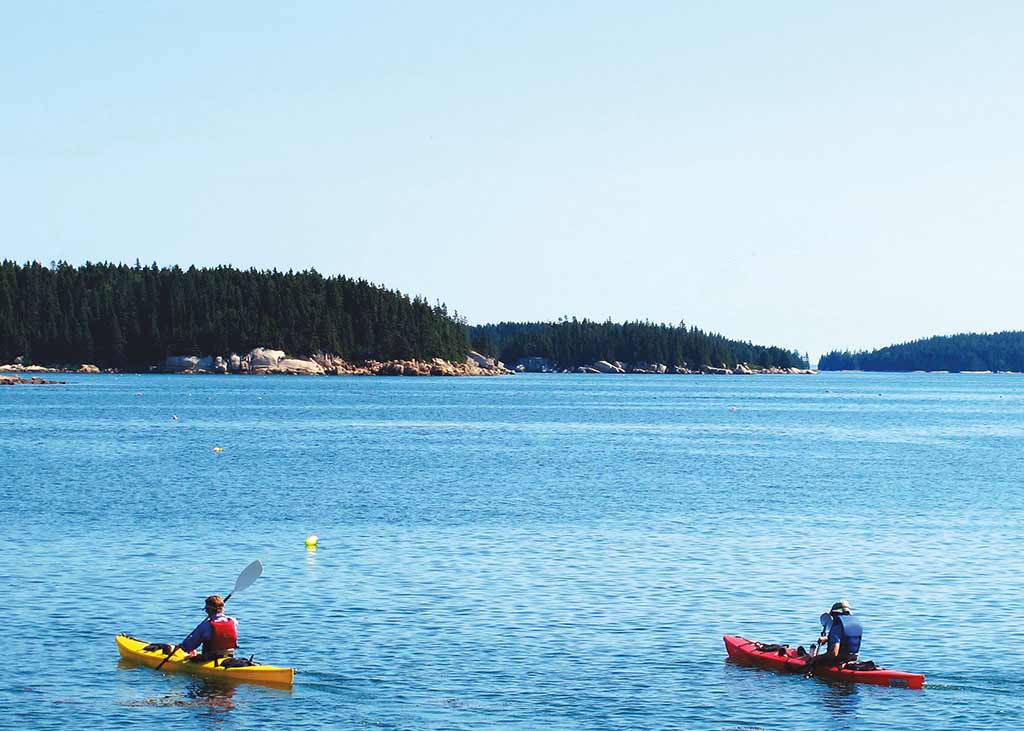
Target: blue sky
[(807, 174)]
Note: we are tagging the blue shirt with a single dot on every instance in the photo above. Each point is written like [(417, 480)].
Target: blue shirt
[(200, 634), (835, 634)]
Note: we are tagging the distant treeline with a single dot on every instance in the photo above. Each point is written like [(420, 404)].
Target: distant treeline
[(1002, 351), (134, 316), (571, 343)]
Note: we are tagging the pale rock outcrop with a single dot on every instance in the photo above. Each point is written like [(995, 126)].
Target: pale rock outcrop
[(298, 366), (481, 361), (642, 367), (262, 360), (441, 367), (87, 368), (603, 366), (234, 362)]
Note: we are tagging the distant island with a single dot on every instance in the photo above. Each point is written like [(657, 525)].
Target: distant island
[(1002, 351), (584, 345), (138, 318)]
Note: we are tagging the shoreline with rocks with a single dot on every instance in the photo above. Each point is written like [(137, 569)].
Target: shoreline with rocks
[(543, 365), (267, 361), (34, 381)]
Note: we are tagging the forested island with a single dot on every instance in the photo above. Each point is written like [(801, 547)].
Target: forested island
[(144, 318), (132, 317), (1002, 351), (570, 343)]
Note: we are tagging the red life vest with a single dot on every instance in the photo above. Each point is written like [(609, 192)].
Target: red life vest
[(224, 636)]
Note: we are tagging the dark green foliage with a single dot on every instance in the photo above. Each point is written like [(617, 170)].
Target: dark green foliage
[(133, 317), (1003, 351), (571, 343)]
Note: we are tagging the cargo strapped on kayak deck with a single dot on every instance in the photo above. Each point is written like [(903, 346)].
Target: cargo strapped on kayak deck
[(158, 647), (767, 647), (238, 662), (865, 665)]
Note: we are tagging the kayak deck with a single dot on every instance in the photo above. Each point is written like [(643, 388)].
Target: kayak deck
[(787, 660), (134, 650)]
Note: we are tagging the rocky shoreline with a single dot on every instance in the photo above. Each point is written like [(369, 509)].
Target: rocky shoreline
[(543, 365), (34, 381), (266, 361)]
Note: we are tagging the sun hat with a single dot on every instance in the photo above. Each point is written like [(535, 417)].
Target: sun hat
[(842, 606)]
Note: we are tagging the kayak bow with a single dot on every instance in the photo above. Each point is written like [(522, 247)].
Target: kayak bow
[(134, 650), (787, 660)]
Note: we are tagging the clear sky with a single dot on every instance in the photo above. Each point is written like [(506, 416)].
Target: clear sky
[(806, 174)]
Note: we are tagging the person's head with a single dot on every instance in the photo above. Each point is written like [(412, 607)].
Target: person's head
[(841, 607), (214, 604)]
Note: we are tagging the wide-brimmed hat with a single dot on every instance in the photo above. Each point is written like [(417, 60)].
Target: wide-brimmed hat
[(842, 606)]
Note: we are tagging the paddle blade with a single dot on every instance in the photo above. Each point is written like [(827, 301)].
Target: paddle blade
[(248, 576), (826, 621)]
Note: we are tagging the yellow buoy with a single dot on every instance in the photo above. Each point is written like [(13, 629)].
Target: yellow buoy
[(218, 450), (312, 540)]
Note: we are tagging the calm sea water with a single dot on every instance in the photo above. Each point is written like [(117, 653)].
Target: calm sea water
[(556, 552)]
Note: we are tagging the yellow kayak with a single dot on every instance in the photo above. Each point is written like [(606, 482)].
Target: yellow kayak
[(134, 650)]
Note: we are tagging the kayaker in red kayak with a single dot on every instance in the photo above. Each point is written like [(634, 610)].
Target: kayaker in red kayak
[(218, 633), (841, 632)]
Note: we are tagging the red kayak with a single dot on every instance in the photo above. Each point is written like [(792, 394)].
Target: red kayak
[(788, 660)]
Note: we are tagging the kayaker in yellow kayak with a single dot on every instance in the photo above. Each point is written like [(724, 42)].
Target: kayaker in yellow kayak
[(218, 633), (841, 632)]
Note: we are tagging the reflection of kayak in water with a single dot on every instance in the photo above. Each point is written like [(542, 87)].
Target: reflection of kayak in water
[(135, 650), (788, 660)]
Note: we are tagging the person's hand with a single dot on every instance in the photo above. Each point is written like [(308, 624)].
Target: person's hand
[(822, 640)]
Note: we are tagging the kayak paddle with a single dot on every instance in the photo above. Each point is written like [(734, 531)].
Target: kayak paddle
[(245, 579)]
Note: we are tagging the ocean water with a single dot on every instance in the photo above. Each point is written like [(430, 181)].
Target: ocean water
[(530, 552)]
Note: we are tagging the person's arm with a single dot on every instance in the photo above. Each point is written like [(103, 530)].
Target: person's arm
[(198, 636), (835, 638)]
